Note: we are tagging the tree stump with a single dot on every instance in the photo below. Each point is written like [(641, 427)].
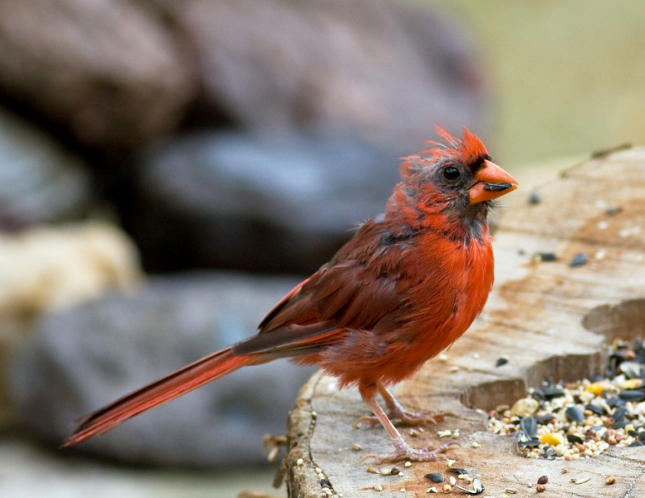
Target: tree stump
[(549, 319)]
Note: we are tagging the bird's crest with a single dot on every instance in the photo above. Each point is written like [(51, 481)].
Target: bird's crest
[(469, 149)]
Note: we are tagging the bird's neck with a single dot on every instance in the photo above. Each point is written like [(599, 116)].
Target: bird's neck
[(407, 210)]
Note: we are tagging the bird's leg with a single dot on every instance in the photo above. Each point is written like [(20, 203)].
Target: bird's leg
[(397, 412), (402, 451)]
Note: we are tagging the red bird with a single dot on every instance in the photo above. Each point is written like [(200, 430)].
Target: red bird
[(408, 284)]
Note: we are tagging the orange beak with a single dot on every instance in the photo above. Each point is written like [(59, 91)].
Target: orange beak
[(491, 182)]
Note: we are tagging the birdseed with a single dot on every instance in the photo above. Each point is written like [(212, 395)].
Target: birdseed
[(435, 477), (501, 361), (578, 260), (581, 419)]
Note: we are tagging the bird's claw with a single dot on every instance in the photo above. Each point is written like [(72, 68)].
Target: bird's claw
[(367, 418), (405, 452), (404, 417)]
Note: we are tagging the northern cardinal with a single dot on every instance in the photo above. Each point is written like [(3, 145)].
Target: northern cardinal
[(408, 283)]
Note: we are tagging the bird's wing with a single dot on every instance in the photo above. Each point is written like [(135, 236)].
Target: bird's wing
[(362, 287)]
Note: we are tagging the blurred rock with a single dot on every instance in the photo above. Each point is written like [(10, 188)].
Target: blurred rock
[(104, 70), (39, 182), (44, 269), (270, 205), (84, 357), (379, 69)]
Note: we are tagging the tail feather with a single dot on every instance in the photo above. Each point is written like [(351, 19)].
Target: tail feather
[(168, 388)]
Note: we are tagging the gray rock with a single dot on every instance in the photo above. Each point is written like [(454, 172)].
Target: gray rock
[(105, 70), (85, 357), (235, 201), (382, 70), (39, 181)]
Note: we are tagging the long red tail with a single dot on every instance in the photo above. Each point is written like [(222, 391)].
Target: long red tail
[(168, 388)]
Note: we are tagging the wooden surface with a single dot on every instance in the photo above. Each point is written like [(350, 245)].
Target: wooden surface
[(548, 319)]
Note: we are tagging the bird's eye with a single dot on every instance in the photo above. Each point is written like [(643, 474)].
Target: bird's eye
[(451, 173)]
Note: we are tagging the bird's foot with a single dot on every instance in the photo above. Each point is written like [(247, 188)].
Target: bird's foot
[(404, 417), (403, 451), (415, 418)]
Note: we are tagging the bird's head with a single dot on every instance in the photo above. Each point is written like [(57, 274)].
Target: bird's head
[(456, 175)]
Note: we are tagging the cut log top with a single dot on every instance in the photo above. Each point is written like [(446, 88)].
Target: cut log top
[(549, 319)]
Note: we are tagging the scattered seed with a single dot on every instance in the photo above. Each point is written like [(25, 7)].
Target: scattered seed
[(452, 480), (574, 414), (540, 488), (356, 447), (435, 477), (534, 198), (632, 395), (551, 439), (602, 225), (613, 211), (510, 491), (610, 480), (525, 407), (377, 487), (552, 393), (531, 443), (529, 426), (431, 490), (413, 433), (576, 480), (578, 260), (457, 471), (575, 439), (372, 470), (300, 462), (447, 488), (453, 369), (325, 483), (478, 487), (407, 464), (443, 357), (450, 462), (544, 419), (501, 361), (597, 387), (475, 444), (546, 257), (543, 479)]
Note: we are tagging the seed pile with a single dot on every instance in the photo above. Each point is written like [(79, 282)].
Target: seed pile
[(584, 418)]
